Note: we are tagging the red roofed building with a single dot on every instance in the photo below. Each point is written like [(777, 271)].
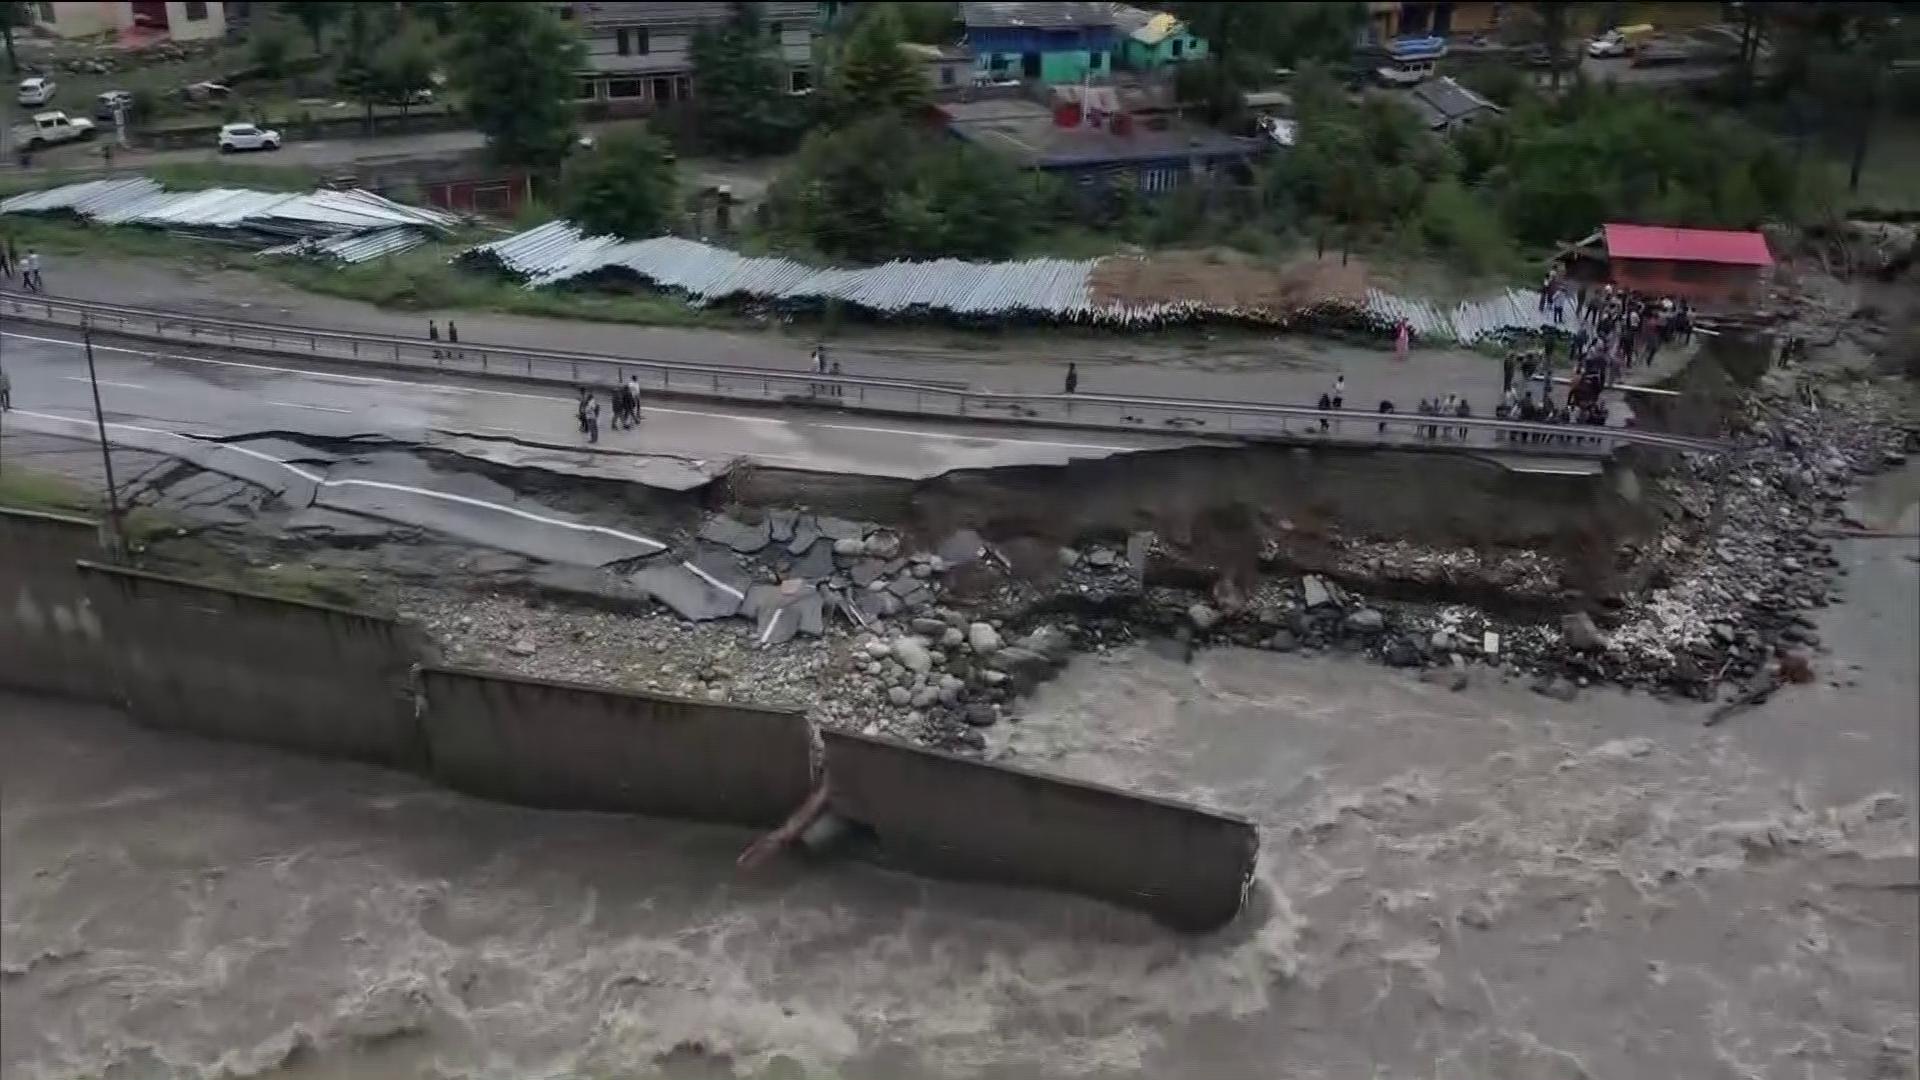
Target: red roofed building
[(1713, 269)]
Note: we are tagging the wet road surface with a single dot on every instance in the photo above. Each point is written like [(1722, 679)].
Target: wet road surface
[(675, 446)]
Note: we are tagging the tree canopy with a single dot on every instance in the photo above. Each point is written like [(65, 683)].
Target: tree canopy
[(874, 74), (625, 186), (515, 65), (882, 188), (742, 106)]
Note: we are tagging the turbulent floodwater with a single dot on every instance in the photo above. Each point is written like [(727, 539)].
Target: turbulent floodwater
[(1483, 885)]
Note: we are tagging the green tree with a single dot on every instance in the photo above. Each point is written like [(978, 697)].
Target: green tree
[(882, 188), (874, 74), (316, 17), (741, 104), (625, 186), (403, 67), (515, 66), (1553, 23), (12, 16), (356, 51), (271, 43)]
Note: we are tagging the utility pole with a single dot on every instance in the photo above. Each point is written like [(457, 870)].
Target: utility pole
[(115, 541)]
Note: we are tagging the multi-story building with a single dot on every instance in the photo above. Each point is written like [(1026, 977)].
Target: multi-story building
[(195, 21), (640, 55)]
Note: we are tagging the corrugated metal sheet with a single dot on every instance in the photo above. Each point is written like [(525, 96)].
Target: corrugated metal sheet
[(356, 247), (344, 225), (1058, 289)]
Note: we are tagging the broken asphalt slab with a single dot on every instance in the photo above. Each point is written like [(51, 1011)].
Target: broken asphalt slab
[(690, 594)]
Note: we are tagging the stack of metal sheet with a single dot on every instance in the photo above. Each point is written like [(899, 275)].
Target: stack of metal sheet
[(1058, 290), (344, 226)]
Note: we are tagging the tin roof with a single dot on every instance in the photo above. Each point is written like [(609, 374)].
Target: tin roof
[(1059, 15), (1687, 245), (1059, 290), (279, 221)]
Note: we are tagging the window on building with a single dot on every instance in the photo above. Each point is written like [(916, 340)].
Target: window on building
[(196, 12), (642, 44), (626, 89), (631, 41), (775, 30), (1177, 48), (586, 90), (800, 80), (946, 75)]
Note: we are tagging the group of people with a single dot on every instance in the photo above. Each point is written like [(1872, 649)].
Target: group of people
[(1623, 326), (26, 267), (626, 408)]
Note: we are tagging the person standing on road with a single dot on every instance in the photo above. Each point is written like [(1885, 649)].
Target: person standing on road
[(1339, 392), (6, 391), (633, 400), (622, 405), (833, 369), (1402, 339), (1072, 384)]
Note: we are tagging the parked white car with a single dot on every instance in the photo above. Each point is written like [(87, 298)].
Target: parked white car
[(236, 137), (36, 91)]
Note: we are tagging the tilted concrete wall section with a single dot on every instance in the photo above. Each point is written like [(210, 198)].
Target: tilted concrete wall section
[(567, 747), (234, 665), (951, 817), (50, 641)]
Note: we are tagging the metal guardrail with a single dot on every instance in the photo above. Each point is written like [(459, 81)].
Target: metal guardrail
[(1177, 416)]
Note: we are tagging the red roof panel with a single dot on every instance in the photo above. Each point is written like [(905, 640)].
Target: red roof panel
[(1688, 245)]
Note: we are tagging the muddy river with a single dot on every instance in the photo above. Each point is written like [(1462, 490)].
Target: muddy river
[(1478, 885)]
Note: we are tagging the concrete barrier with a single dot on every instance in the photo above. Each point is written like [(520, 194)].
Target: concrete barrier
[(234, 665), (562, 746), (50, 641), (951, 817)]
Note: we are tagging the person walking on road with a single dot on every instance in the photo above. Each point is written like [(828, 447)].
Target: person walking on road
[(6, 391), (30, 272), (622, 406), (1073, 378), (633, 401), (433, 335), (838, 390)]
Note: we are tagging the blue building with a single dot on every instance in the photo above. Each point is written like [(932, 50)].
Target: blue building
[(1049, 43)]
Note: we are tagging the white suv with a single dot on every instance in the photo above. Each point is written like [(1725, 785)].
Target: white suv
[(247, 137), (36, 91)]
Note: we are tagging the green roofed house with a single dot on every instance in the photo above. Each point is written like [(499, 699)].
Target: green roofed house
[(1152, 40)]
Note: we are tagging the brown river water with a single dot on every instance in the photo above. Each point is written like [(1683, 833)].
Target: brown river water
[(1482, 885)]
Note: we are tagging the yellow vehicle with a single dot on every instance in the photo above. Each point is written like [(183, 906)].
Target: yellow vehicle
[(1620, 41)]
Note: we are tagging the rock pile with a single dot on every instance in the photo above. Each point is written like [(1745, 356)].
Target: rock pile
[(846, 620)]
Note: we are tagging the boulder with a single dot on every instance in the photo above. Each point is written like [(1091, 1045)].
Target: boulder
[(913, 655), (1580, 632), (983, 638), (1365, 621)]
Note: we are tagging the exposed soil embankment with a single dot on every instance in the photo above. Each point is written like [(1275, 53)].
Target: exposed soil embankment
[(1445, 525)]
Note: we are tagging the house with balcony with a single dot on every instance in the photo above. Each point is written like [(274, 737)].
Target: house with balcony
[(640, 55), (1153, 40), (133, 19), (1050, 43)]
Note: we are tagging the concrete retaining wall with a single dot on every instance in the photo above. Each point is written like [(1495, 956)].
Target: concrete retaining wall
[(568, 747), (952, 817), (50, 641), (234, 665)]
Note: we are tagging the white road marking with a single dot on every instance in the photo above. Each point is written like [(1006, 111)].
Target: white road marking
[(319, 480), (715, 582), (376, 380), (315, 408), (104, 382)]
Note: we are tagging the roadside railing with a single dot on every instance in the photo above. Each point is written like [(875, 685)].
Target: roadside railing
[(933, 400)]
